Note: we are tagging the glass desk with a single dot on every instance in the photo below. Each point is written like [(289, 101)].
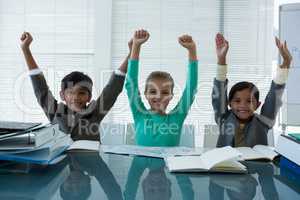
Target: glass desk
[(90, 176)]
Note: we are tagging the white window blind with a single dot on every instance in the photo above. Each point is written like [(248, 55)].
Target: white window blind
[(63, 32), (246, 23), (64, 41)]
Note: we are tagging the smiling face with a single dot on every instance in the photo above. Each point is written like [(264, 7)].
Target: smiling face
[(76, 97), (159, 92), (244, 104)]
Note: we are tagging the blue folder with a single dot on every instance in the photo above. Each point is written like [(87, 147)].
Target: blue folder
[(289, 165)]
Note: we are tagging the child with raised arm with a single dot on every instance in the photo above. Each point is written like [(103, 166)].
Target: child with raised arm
[(240, 125), (155, 127), (77, 115)]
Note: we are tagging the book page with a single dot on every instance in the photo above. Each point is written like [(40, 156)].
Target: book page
[(267, 151), (85, 145), (185, 163), (249, 154), (230, 166), (217, 155)]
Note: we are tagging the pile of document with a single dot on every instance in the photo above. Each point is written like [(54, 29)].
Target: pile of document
[(32, 142)]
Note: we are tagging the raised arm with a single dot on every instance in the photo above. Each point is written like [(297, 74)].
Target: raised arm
[(114, 87), (26, 40), (219, 93), (190, 89), (273, 100), (131, 85), (41, 90)]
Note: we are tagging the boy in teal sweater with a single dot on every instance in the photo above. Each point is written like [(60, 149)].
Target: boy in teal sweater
[(155, 127)]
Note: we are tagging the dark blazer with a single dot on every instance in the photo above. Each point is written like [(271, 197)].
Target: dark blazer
[(257, 128), (83, 125)]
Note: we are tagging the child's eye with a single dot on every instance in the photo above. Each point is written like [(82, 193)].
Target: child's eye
[(71, 93), (152, 92)]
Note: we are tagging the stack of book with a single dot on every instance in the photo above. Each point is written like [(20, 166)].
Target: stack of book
[(32, 142), (288, 146)]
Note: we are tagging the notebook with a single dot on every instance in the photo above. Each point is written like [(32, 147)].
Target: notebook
[(12, 126), (217, 160), (258, 152)]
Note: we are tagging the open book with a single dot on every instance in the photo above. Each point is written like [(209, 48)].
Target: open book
[(258, 152), (217, 160)]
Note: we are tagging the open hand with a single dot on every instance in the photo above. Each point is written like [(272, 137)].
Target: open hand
[(222, 47), (284, 52)]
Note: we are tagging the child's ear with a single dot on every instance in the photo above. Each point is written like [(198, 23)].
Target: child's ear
[(62, 95), (172, 95), (145, 93), (258, 104), (90, 97)]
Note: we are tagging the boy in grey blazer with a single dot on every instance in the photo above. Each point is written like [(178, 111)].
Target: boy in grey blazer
[(78, 116), (240, 125)]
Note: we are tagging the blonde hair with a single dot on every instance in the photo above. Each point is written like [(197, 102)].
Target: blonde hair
[(160, 75)]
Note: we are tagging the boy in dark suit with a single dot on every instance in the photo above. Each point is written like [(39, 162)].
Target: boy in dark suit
[(77, 115)]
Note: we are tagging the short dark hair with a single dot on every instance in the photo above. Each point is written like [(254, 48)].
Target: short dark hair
[(160, 75), (76, 77), (242, 86)]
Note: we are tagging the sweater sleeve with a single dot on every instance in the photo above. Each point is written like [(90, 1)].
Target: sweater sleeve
[(134, 97)]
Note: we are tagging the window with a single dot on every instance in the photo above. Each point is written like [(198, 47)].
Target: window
[(68, 38), (246, 23), (63, 42)]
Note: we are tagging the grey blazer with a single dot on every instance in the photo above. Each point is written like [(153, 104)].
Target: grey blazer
[(257, 128), (84, 125)]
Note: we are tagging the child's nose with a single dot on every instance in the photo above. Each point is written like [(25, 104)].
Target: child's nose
[(76, 97), (159, 97), (244, 104)]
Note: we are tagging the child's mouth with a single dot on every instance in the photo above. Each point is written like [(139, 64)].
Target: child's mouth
[(243, 112)]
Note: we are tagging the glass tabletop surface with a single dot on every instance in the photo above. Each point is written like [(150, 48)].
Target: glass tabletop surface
[(93, 175)]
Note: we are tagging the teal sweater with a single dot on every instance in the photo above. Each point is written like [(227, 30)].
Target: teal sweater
[(153, 129)]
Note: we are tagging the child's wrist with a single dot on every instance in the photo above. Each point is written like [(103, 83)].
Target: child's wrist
[(192, 50), (136, 46), (221, 61), (193, 54), (25, 48), (285, 64)]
